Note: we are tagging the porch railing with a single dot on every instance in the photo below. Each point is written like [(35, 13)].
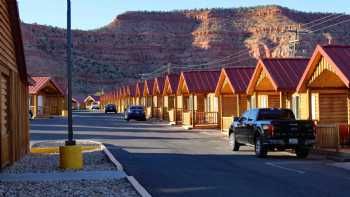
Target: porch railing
[(332, 136), (210, 118), (178, 114), (156, 112)]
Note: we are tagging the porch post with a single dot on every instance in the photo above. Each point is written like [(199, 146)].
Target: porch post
[(238, 108), (175, 107), (193, 112), (281, 99), (35, 109), (220, 111), (308, 92), (348, 107), (256, 100)]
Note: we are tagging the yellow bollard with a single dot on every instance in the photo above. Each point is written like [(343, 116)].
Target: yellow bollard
[(71, 157), (64, 113)]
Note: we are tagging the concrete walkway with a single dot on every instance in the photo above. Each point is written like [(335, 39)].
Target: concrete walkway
[(63, 176)]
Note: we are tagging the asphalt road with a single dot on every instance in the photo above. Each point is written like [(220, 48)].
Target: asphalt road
[(170, 161)]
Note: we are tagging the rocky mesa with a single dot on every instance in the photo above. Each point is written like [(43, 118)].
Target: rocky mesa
[(140, 42)]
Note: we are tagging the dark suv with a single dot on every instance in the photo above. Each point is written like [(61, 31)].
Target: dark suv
[(135, 112), (270, 129), (110, 108)]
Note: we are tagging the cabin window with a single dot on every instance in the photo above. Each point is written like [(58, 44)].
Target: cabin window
[(216, 104), (40, 105), (252, 102), (264, 101), (295, 106), (314, 103)]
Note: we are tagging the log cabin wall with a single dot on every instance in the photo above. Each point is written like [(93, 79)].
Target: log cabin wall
[(273, 101), (14, 120)]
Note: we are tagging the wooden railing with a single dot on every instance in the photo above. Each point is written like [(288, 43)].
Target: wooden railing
[(333, 136), (210, 118), (148, 112), (178, 114), (156, 112), (165, 114), (187, 118)]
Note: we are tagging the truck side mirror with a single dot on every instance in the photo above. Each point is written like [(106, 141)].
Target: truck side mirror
[(236, 119)]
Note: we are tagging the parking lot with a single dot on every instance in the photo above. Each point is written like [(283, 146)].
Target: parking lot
[(171, 161)]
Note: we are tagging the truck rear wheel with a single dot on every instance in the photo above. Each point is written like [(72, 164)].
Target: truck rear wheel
[(233, 143), (260, 149), (302, 152)]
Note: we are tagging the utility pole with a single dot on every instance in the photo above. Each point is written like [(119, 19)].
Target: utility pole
[(70, 141), (294, 44), (169, 68)]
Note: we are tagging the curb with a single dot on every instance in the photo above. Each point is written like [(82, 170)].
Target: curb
[(112, 158), (137, 186)]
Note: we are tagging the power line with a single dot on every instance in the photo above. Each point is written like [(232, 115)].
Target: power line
[(319, 19), (323, 28), (330, 19)]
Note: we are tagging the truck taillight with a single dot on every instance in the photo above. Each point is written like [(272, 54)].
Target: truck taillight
[(314, 127), (269, 129)]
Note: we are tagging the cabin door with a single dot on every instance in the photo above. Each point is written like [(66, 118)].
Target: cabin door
[(4, 121), (52, 105)]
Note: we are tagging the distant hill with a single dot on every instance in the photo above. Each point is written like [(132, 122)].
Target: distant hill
[(138, 42)]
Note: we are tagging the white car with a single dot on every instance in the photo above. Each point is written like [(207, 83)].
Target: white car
[(95, 106)]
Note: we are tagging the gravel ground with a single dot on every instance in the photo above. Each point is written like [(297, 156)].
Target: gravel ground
[(120, 188), (43, 163), (62, 143)]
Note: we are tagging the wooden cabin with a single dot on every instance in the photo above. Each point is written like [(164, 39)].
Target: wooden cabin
[(90, 100), (140, 99), (118, 100), (326, 82), (171, 108), (75, 104), (46, 98), (158, 87), (199, 104), (274, 83), (132, 90), (14, 135), (125, 97), (231, 90), (148, 95)]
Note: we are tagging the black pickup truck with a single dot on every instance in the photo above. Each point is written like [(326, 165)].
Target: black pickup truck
[(272, 129)]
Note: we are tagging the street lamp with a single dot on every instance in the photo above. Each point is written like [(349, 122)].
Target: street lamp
[(70, 155), (70, 141)]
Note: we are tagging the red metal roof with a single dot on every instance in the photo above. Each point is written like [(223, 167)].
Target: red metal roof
[(201, 81), (285, 72), (340, 55), (159, 85), (40, 83), (132, 90), (149, 84), (174, 81), (239, 77), (160, 82), (139, 89)]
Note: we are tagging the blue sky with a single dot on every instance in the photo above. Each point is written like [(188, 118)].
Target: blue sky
[(91, 14)]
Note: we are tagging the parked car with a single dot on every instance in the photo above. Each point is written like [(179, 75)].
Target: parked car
[(110, 108), (272, 129), (95, 106), (135, 112)]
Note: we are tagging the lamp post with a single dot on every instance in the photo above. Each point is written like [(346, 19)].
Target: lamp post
[(70, 141)]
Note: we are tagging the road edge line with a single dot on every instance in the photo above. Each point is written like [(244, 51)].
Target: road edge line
[(138, 187), (132, 180)]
